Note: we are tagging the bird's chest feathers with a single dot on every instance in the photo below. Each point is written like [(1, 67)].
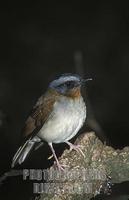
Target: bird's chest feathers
[(66, 119), (70, 110)]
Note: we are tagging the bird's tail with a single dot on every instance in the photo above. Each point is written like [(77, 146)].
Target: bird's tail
[(22, 152)]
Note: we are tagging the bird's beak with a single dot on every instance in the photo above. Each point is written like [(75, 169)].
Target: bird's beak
[(83, 81)]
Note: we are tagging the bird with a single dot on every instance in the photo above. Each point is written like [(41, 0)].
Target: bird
[(56, 117)]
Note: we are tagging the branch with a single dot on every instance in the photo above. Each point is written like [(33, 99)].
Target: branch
[(100, 162)]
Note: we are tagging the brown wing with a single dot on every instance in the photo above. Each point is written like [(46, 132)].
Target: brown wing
[(40, 113)]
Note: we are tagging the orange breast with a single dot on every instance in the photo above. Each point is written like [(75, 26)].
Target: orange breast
[(74, 93)]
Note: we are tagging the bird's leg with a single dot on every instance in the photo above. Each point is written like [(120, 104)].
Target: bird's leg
[(60, 167), (75, 147)]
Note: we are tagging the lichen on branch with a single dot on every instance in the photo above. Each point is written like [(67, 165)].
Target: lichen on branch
[(105, 160)]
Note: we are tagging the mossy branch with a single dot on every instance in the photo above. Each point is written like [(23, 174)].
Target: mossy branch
[(100, 158)]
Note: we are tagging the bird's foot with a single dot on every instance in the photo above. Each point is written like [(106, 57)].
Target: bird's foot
[(76, 148), (60, 167)]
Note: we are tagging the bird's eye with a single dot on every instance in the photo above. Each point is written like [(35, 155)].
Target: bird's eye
[(70, 84), (67, 84)]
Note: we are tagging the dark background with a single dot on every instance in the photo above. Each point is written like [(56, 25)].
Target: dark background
[(42, 40)]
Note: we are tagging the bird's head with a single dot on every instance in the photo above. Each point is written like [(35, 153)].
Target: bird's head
[(68, 84)]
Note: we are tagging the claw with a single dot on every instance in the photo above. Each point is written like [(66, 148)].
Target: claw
[(61, 167), (76, 148)]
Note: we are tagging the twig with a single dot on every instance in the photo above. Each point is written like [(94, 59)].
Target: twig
[(10, 173)]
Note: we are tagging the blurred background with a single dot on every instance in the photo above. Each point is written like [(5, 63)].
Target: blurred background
[(41, 40)]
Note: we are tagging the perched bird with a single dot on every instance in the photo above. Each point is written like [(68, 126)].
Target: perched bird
[(56, 118)]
